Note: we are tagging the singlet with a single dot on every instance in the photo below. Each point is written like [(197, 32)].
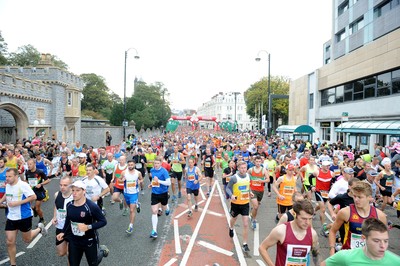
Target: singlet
[(150, 157), (65, 167), (352, 228), (41, 166), (35, 178), (241, 189), (191, 177), (255, 183), (208, 161), (335, 169), (82, 170), (3, 182), (282, 171), (270, 165), (11, 163), (309, 170), (323, 183), (387, 181), (61, 209), (246, 156), (176, 165), (131, 183), (286, 188), (294, 251), (74, 170), (102, 160), (117, 172)]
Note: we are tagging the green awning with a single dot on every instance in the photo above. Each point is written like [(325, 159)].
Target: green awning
[(370, 127), (295, 129)]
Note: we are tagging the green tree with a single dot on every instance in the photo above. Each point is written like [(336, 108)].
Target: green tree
[(3, 51), (25, 56), (258, 93)]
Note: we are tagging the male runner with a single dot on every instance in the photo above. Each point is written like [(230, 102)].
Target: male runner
[(193, 177)]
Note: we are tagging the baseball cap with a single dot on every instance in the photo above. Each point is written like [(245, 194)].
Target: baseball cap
[(326, 163), (290, 167), (372, 173), (349, 170), (139, 150), (82, 155), (79, 184)]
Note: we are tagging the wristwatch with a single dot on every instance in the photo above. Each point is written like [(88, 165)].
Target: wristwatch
[(89, 227)]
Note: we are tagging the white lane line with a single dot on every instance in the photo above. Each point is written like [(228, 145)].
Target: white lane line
[(215, 248), (202, 184), (185, 211), (38, 237), (260, 262), (178, 249), (256, 240), (326, 213), (17, 255), (239, 252), (196, 230), (202, 194), (215, 213), (170, 262)]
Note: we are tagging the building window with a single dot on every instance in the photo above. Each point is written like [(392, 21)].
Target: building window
[(356, 26), (327, 61), (311, 101), (341, 35), (40, 113), (328, 96), (343, 7), (348, 92), (327, 49), (396, 81), (384, 7), (358, 90), (69, 98), (369, 87), (239, 117), (339, 94), (326, 130), (383, 84)]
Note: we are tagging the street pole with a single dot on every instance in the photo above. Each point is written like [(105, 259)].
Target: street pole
[(235, 93), (269, 126)]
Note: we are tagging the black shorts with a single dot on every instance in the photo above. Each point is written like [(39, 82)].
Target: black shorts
[(57, 232), (208, 172), (177, 175), (108, 178), (386, 193), (258, 195), (23, 225), (282, 209), (159, 198), (318, 197), (118, 190), (195, 192), (40, 194), (242, 209)]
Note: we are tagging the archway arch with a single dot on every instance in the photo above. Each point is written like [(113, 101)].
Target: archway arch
[(21, 119)]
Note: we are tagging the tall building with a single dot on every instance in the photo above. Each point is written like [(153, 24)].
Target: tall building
[(222, 106), (355, 95)]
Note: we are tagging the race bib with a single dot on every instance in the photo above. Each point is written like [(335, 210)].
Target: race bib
[(356, 241), (191, 178), (155, 184), (89, 190), (227, 179), (256, 183), (324, 194), (2, 184), (244, 196), (245, 159), (297, 255), (131, 184), (9, 197), (207, 164), (61, 215), (33, 182), (389, 183), (336, 172), (139, 166), (288, 190), (75, 230)]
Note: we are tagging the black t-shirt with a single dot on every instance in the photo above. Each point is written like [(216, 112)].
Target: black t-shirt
[(227, 171), (343, 200), (38, 175)]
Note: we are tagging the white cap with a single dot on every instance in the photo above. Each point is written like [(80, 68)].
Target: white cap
[(79, 184), (326, 163), (82, 155)]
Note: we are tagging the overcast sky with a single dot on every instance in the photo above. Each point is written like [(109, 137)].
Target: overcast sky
[(196, 48)]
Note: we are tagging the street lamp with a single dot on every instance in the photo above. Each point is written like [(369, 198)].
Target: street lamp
[(125, 122), (235, 93), (258, 58)]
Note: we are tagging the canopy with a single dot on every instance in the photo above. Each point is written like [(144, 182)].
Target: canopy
[(296, 129), (370, 127)]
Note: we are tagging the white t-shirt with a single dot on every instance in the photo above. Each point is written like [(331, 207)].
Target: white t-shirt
[(339, 187), (94, 186), (131, 182), (108, 166), (21, 190)]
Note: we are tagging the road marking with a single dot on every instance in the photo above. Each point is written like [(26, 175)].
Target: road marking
[(170, 262), (260, 262), (185, 211), (178, 249), (17, 255), (196, 230), (38, 237), (238, 248), (326, 213), (215, 213), (215, 248), (256, 240), (202, 194)]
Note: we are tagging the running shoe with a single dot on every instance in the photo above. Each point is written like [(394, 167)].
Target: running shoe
[(253, 224), (125, 212), (35, 214), (103, 212), (142, 192), (167, 212), (231, 232), (105, 250), (43, 229), (173, 198), (338, 247), (179, 194), (159, 213), (208, 194), (138, 206), (112, 202), (153, 234), (324, 230), (190, 213), (129, 230), (245, 248), (42, 221), (196, 208), (121, 205)]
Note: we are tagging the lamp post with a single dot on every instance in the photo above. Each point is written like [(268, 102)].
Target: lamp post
[(258, 58), (235, 93), (125, 122)]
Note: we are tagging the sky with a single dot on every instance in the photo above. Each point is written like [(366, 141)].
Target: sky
[(195, 48)]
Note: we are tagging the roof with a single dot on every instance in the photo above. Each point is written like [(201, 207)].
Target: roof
[(296, 129), (371, 127)]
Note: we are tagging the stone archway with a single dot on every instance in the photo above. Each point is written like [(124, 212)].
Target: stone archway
[(21, 119)]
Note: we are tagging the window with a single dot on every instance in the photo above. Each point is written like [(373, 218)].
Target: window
[(348, 92), (339, 94), (327, 61), (327, 49), (358, 90), (69, 99), (328, 96), (341, 35), (239, 117), (343, 7), (396, 81), (40, 113), (311, 101), (326, 130), (383, 8), (356, 26), (369, 87), (383, 82)]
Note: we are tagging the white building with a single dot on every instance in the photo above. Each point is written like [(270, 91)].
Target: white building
[(222, 106)]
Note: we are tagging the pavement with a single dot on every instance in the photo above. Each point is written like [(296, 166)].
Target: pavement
[(199, 240)]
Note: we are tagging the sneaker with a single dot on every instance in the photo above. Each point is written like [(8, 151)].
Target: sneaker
[(35, 214), (129, 230), (42, 221), (231, 232), (125, 212), (269, 194), (138, 206), (245, 248), (173, 198), (142, 192), (159, 213), (153, 234), (103, 212), (190, 213), (121, 205), (253, 224), (167, 212), (112, 202), (324, 230), (196, 208), (105, 250), (43, 229), (179, 194), (208, 194)]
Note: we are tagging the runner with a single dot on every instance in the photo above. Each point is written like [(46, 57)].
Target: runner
[(18, 196), (176, 160), (131, 178), (119, 185), (193, 177), (208, 163), (159, 188), (295, 240), (96, 187), (238, 190), (384, 181), (289, 215), (140, 164), (62, 198), (82, 166), (150, 156), (270, 165), (284, 188), (226, 176), (258, 177), (65, 165), (107, 168), (308, 173)]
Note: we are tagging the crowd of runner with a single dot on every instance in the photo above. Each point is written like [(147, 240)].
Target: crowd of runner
[(309, 180)]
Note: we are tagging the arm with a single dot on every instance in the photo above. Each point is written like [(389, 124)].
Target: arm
[(376, 180), (54, 221), (47, 162), (283, 219), (20, 202), (276, 186), (341, 217), (272, 239), (315, 247), (229, 186)]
